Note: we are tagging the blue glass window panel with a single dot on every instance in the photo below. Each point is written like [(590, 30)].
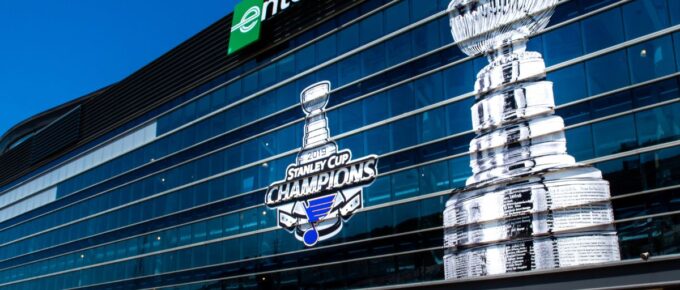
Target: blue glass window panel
[(249, 151), (403, 133), (618, 173), (569, 84), (611, 104), (249, 246), (563, 44), (326, 48), (267, 219), (379, 221), (267, 75), (233, 92), (614, 136), (399, 49), (188, 112), (218, 99), (371, 28), (459, 171), (406, 217), (329, 73), (674, 9), (657, 92), (349, 70), (250, 110), (305, 58), (459, 116), (425, 38), (350, 117), (580, 143), (459, 79), (199, 230), (575, 114), (373, 59), (184, 235), (378, 192), (231, 224), (651, 59), (376, 108), (266, 104), (431, 212), (434, 177), (602, 30), (644, 17), (396, 16), (432, 125), (607, 72), (202, 106), (215, 229), (479, 63), (348, 38), (676, 39), (536, 44), (377, 140), (355, 143), (285, 67), (289, 137), (215, 253), (422, 9), (233, 117), (250, 84), (405, 184), (428, 90), (249, 180), (267, 243), (249, 220), (661, 168), (658, 125), (401, 99)]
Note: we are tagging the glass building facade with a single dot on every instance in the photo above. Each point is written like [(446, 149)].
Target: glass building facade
[(176, 201)]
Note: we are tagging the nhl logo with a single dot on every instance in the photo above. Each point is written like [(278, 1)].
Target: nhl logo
[(324, 187)]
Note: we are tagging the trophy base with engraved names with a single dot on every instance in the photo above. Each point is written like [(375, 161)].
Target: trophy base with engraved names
[(528, 204)]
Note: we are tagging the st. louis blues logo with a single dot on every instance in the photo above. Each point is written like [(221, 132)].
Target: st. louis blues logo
[(324, 187)]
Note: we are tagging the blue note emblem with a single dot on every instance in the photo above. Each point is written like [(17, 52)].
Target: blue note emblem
[(316, 209), (324, 187)]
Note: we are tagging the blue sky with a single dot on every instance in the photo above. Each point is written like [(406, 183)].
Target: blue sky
[(53, 51)]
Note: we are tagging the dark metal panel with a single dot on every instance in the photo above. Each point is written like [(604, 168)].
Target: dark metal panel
[(61, 133), (15, 160)]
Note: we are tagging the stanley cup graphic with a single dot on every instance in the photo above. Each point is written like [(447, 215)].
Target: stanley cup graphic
[(314, 100), (324, 187), (528, 204)]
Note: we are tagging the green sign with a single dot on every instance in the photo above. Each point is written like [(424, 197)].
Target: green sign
[(245, 27)]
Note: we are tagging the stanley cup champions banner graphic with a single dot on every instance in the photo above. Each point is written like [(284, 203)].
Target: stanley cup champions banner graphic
[(528, 204), (324, 187)]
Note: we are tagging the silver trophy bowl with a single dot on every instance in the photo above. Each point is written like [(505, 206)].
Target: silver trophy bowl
[(484, 26)]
